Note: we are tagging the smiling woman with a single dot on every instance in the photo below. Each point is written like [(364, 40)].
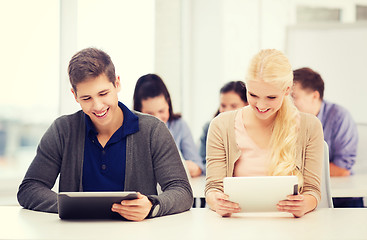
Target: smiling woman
[(268, 137)]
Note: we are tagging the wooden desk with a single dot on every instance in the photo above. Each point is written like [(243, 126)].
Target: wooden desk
[(352, 186), (18, 223)]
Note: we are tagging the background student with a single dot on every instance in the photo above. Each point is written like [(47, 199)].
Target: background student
[(106, 147), (340, 130), (232, 96), (268, 137), (151, 96)]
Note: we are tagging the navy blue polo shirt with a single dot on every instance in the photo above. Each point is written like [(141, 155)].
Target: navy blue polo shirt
[(104, 167)]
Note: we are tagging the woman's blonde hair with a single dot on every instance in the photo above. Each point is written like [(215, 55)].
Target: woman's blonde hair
[(273, 67)]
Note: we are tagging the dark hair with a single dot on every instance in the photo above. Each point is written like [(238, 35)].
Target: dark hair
[(309, 79), (150, 86), (90, 62), (238, 87)]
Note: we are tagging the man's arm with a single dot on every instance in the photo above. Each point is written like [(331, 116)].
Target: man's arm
[(35, 190), (170, 174), (344, 145)]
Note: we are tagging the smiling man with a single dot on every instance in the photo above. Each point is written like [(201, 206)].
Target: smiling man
[(106, 147)]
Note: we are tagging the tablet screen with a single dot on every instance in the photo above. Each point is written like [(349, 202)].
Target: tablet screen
[(259, 194), (91, 205)]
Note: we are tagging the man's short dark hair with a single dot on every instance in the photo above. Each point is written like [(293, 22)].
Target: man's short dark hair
[(309, 80), (90, 63)]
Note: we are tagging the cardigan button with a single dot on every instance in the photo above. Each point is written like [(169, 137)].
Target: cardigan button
[(103, 166)]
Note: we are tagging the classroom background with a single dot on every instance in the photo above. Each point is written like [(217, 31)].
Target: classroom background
[(194, 45)]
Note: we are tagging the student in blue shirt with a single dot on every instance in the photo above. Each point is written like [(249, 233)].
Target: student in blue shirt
[(106, 147), (340, 130), (151, 96)]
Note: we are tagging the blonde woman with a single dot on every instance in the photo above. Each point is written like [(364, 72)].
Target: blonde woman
[(268, 137)]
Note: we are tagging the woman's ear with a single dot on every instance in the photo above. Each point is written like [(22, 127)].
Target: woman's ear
[(287, 91)]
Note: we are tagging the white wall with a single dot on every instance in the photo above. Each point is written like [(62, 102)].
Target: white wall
[(338, 52), (168, 48), (224, 35), (125, 30), (218, 39)]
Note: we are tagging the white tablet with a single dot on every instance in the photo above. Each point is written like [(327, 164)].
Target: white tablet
[(259, 194), (91, 205)]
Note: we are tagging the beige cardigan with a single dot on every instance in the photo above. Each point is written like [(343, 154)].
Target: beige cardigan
[(223, 152)]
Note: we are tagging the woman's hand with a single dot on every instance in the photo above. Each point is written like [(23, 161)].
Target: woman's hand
[(193, 168), (298, 205), (135, 210), (219, 202)]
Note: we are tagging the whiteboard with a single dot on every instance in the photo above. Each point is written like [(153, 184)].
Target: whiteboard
[(339, 53)]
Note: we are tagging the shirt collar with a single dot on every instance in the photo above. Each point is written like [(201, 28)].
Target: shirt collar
[(129, 126), (131, 121)]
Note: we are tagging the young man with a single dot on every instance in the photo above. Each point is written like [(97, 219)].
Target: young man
[(340, 131), (106, 147)]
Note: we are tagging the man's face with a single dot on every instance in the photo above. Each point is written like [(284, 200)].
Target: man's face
[(98, 99), (305, 99)]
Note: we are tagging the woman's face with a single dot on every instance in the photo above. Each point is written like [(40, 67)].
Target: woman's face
[(265, 99), (230, 101), (156, 106)]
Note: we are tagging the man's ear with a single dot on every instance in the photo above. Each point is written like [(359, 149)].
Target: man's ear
[(118, 83), (316, 95), (74, 93)]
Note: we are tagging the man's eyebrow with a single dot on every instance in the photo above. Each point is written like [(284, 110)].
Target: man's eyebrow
[(84, 96), (104, 90)]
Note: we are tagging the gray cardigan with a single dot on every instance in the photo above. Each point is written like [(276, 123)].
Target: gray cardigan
[(151, 157)]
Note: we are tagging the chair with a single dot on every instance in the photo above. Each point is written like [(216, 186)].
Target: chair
[(326, 199)]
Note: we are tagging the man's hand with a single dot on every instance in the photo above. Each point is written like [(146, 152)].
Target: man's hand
[(134, 210), (336, 171)]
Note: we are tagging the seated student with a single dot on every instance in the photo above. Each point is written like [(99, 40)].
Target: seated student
[(151, 96), (268, 137), (340, 131), (232, 97), (106, 147)]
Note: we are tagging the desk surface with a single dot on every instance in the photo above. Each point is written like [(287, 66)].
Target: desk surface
[(352, 186), (18, 223)]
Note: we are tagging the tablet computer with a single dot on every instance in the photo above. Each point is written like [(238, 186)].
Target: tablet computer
[(91, 205), (259, 194)]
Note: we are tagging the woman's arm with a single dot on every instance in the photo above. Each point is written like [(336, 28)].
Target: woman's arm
[(310, 193), (217, 170), (189, 150)]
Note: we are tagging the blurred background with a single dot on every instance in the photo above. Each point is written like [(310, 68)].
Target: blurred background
[(194, 45)]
